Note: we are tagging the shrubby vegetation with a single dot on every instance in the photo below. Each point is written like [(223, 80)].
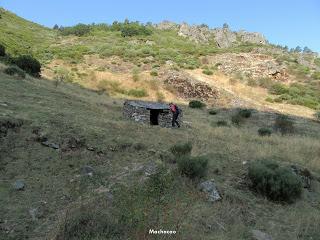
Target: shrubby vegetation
[(196, 104), (192, 167), (2, 51), (284, 124), (181, 149), (273, 181), (245, 113), (264, 131), (77, 30), (15, 71), (213, 112), (207, 72), (29, 64)]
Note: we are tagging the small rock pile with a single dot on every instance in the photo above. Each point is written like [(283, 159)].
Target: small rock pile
[(188, 87)]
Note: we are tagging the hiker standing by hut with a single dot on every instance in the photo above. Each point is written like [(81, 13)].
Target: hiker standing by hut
[(175, 114)]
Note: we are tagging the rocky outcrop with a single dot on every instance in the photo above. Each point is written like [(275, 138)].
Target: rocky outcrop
[(210, 188), (252, 37), (167, 25), (250, 65), (224, 38), (198, 34), (187, 87)]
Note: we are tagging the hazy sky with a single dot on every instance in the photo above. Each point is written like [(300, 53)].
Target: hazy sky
[(286, 22)]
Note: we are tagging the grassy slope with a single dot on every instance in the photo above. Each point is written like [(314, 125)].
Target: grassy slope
[(20, 36), (54, 182)]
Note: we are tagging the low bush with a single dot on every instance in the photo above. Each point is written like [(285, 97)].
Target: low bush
[(15, 71), (222, 123), (137, 92), (181, 149), (237, 119), (196, 104), (317, 115), (315, 75), (207, 72), (269, 99), (264, 132), (275, 182), (78, 30), (2, 51), (193, 167), (213, 112), (284, 125), (278, 89), (29, 65), (265, 82), (154, 73), (129, 29), (245, 113), (252, 82)]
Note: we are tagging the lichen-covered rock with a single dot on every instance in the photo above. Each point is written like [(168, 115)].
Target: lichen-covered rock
[(252, 37), (198, 34), (258, 235), (210, 188), (224, 38)]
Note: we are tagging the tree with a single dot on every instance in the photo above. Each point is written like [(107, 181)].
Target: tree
[(225, 25), (286, 48), (298, 49), (29, 65), (56, 27), (307, 50)]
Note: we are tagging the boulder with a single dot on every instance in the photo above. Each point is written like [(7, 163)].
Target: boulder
[(224, 38), (252, 37), (209, 187), (167, 25), (198, 34), (258, 235), (87, 171), (19, 185), (50, 144)]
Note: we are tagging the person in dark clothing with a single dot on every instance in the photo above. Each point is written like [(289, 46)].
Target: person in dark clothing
[(175, 114)]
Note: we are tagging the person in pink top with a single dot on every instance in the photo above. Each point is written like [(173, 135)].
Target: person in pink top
[(175, 113)]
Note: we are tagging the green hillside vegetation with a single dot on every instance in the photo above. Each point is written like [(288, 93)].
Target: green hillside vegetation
[(90, 131), (23, 37)]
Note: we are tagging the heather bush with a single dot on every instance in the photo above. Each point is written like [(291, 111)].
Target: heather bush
[(192, 167), (196, 104), (15, 71), (275, 182)]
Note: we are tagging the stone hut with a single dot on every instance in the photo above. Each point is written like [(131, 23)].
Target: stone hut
[(152, 113)]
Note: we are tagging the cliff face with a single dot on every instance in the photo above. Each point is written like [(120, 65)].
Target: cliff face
[(223, 37)]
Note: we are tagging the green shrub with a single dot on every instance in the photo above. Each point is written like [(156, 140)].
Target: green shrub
[(78, 30), (222, 123), (315, 75), (207, 72), (181, 149), (15, 71), (269, 99), (2, 51), (278, 89), (29, 65), (275, 182), (264, 131), (192, 167), (129, 29), (213, 112), (237, 119), (245, 113), (154, 73), (265, 82), (252, 82), (196, 104), (283, 124), (137, 92)]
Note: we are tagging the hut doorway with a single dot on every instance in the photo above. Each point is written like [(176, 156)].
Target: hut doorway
[(154, 116)]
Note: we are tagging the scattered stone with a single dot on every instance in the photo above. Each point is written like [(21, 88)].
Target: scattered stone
[(150, 58), (150, 169), (87, 171), (258, 235), (35, 213), (224, 38), (49, 144), (188, 87), (90, 149), (167, 25), (210, 188), (150, 43), (19, 185)]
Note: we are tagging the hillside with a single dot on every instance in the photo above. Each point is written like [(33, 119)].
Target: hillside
[(72, 167)]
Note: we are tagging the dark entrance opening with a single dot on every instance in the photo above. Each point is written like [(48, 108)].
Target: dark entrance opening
[(154, 116)]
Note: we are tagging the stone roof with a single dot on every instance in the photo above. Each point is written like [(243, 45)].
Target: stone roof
[(147, 104)]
